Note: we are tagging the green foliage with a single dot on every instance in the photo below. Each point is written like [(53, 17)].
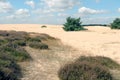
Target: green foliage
[(38, 45), (116, 24), (73, 24), (88, 68)]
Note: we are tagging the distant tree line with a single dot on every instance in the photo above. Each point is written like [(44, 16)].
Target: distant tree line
[(95, 25)]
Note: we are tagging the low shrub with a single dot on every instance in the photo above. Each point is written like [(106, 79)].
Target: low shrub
[(38, 45), (9, 70), (18, 54), (20, 43), (43, 26), (104, 61), (12, 51), (4, 33), (84, 71), (35, 39), (45, 37), (88, 68), (3, 41), (8, 74)]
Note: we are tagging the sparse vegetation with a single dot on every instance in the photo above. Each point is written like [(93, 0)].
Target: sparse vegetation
[(9, 70), (116, 24), (84, 71), (38, 45), (88, 68), (73, 24), (34, 39), (20, 43), (104, 61), (12, 51), (43, 26)]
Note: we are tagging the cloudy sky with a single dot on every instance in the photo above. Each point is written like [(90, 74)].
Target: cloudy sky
[(56, 11)]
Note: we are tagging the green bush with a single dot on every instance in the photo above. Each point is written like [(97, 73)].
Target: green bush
[(38, 45), (84, 71), (73, 24), (116, 24)]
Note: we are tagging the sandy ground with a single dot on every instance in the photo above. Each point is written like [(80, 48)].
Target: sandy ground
[(96, 40)]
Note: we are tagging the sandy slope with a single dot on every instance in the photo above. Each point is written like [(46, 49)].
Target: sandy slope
[(96, 41)]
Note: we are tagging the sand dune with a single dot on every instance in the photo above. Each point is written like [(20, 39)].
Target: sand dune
[(96, 41)]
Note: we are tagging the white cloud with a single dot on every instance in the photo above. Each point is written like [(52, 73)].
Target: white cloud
[(41, 11), (2, 0), (84, 10), (62, 14), (20, 13), (30, 3), (118, 9), (5, 6), (61, 5)]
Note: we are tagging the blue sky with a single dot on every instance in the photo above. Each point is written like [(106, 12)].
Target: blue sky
[(56, 11)]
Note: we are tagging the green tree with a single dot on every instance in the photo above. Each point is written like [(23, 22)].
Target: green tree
[(116, 24), (73, 24)]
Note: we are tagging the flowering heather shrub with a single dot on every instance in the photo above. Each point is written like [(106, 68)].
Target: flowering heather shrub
[(88, 68)]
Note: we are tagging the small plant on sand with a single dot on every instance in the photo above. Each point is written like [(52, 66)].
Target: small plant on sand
[(73, 24), (43, 26), (116, 24)]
